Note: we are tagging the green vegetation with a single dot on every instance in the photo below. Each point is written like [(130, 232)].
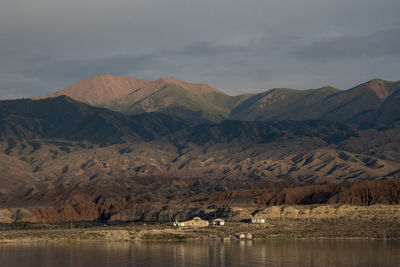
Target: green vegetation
[(175, 100), (387, 229), (164, 236), (371, 101)]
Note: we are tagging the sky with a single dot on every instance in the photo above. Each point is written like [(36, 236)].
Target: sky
[(238, 46)]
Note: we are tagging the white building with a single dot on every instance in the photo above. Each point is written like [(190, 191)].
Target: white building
[(218, 222), (257, 219), (196, 222)]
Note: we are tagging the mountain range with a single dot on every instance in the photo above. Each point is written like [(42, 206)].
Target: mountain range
[(91, 150), (374, 100)]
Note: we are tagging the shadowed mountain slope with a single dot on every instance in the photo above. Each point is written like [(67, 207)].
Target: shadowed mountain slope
[(281, 103), (66, 119), (260, 132), (387, 112), (368, 101)]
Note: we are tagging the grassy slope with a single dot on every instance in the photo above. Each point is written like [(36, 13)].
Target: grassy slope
[(281, 103), (388, 111), (324, 103), (173, 99)]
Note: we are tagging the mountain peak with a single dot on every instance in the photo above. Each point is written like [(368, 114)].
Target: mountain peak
[(100, 89), (132, 95), (200, 101), (380, 87), (376, 80), (197, 88), (169, 79)]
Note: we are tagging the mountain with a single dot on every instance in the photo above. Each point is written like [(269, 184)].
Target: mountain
[(52, 133), (167, 95), (100, 90), (262, 132), (69, 160), (387, 112), (171, 96), (371, 101), (376, 97), (281, 103), (66, 119)]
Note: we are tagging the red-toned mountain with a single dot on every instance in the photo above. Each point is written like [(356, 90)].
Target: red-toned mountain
[(375, 100)]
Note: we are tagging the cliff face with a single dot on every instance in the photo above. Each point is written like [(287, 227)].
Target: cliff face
[(361, 193), (329, 212), (123, 203)]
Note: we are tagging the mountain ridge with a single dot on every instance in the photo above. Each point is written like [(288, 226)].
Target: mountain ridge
[(201, 102), (65, 118)]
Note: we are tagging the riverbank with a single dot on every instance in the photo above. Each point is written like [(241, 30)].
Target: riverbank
[(273, 229)]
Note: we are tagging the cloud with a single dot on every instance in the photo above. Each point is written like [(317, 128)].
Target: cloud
[(47, 45), (221, 69), (205, 49), (50, 68), (338, 46), (17, 89)]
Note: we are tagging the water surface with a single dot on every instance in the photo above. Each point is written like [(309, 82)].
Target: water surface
[(198, 253)]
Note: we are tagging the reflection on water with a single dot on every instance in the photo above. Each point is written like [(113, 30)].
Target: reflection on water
[(234, 253)]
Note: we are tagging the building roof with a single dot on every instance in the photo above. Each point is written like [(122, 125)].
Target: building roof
[(257, 217)]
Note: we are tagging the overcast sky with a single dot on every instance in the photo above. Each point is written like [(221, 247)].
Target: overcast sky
[(238, 46)]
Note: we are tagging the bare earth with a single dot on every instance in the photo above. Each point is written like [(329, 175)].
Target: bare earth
[(283, 222)]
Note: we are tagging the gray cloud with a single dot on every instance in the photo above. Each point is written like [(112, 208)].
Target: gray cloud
[(381, 43), (206, 49), (49, 68), (238, 46)]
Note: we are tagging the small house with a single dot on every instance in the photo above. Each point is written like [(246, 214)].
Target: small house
[(219, 222), (257, 219), (195, 222)]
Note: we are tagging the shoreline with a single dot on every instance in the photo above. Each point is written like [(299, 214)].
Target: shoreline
[(272, 230)]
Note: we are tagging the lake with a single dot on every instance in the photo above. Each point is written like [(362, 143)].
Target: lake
[(204, 253)]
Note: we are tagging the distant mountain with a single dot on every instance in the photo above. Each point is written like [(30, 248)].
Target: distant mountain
[(171, 96), (283, 104), (387, 112), (371, 101), (167, 95), (375, 100), (100, 90), (66, 119)]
